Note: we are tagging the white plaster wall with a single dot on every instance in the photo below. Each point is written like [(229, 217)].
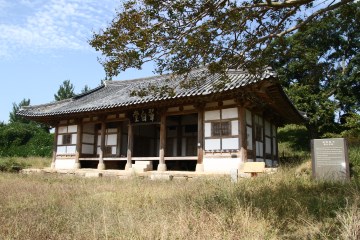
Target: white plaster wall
[(73, 138), (212, 115), (235, 127), (111, 139), (70, 149), (221, 165), (207, 129), (59, 139), (212, 144), (267, 128), (248, 117), (229, 113), (64, 163), (72, 128), (249, 137), (259, 149), (113, 150), (61, 150), (63, 129), (230, 143)]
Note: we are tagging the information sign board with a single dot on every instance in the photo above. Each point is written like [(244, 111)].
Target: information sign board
[(330, 159)]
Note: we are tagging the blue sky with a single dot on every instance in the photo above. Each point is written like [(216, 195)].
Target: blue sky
[(44, 42)]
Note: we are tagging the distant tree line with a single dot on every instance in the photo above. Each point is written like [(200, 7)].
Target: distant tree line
[(23, 138)]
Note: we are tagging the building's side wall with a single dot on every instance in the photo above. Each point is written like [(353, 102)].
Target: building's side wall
[(222, 152), (221, 138), (66, 146)]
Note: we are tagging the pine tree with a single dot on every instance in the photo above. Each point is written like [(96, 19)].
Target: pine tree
[(16, 107), (65, 91)]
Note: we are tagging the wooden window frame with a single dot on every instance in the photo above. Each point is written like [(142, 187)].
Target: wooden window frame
[(222, 130), (66, 139)]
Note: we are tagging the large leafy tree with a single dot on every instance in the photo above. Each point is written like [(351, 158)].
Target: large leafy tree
[(319, 67), (179, 35), (313, 45), (66, 90)]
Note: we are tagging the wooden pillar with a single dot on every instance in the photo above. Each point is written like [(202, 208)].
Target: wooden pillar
[(271, 144), (129, 147), (276, 154), (162, 165), (200, 144), (179, 138), (54, 147), (78, 145), (118, 145), (253, 135), (101, 165), (243, 135), (264, 138)]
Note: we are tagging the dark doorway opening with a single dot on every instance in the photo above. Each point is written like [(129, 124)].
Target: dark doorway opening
[(146, 140), (181, 141)]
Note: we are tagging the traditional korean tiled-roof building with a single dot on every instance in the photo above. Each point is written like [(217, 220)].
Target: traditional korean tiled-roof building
[(214, 126)]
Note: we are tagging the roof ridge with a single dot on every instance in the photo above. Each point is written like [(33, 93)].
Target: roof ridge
[(150, 78), (46, 104)]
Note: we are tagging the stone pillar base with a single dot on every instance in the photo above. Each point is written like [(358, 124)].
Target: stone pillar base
[(101, 166), (128, 166), (77, 165), (199, 167), (161, 167)]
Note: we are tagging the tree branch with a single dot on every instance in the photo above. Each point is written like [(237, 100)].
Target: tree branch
[(307, 20)]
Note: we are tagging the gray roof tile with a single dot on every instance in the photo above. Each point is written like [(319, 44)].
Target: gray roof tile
[(114, 94)]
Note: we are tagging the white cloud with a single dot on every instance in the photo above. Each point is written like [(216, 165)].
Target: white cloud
[(43, 25)]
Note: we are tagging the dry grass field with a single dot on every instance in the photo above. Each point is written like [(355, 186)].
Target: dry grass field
[(284, 205)]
